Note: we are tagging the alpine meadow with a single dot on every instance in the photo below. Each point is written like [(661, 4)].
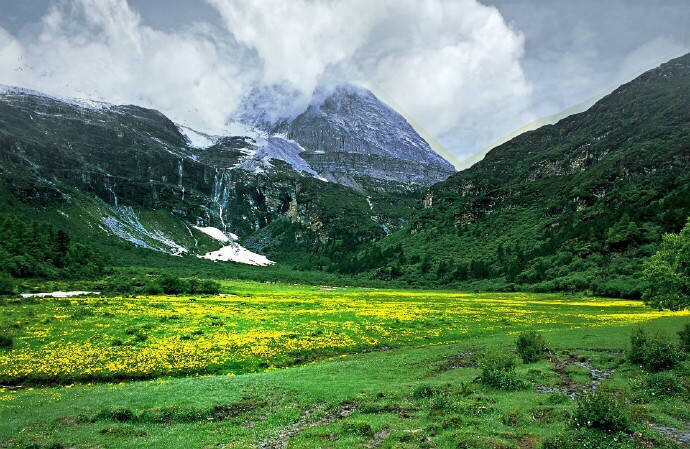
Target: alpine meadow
[(283, 225)]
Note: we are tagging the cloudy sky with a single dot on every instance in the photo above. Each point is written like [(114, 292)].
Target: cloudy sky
[(465, 73)]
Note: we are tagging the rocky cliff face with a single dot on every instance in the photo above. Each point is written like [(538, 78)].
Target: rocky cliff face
[(348, 136), (350, 133), (135, 159)]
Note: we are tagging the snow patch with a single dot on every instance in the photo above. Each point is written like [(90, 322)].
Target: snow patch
[(128, 227), (237, 253), (279, 148), (58, 294), (79, 102), (216, 233), (196, 139)]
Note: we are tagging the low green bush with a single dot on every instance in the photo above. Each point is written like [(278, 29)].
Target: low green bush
[(358, 428), (685, 338), (531, 346), (7, 286), (171, 285), (655, 353), (498, 371), (594, 439), (602, 410), (6, 341), (660, 385), (423, 391)]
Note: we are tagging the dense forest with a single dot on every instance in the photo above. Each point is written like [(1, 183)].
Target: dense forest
[(31, 248), (574, 206)]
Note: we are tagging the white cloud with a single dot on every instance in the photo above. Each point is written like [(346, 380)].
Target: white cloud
[(451, 66), (100, 49)]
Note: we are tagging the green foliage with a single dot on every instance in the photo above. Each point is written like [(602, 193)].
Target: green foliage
[(655, 353), (6, 341), (668, 273), (595, 439), (358, 428), (423, 391), (685, 338), (656, 386), (151, 285), (171, 284), (531, 346), (498, 371), (7, 284), (572, 207), (30, 248), (602, 410)]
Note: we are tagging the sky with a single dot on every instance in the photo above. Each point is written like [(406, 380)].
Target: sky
[(465, 73)]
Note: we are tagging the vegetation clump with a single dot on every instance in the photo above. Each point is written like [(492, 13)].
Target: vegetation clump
[(660, 385), (685, 338), (602, 410), (7, 286), (498, 371), (6, 341), (655, 353), (531, 346), (667, 273)]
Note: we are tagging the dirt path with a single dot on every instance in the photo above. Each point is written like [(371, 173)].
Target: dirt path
[(281, 439)]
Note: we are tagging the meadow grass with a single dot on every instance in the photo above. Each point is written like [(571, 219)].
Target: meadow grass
[(421, 391)]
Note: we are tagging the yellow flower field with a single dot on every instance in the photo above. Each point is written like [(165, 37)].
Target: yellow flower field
[(264, 326)]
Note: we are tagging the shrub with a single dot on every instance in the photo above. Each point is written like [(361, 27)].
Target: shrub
[(638, 340), (530, 346), (358, 428), (171, 285), (585, 438), (603, 411), (654, 353), (661, 353), (423, 391), (7, 286), (6, 341), (685, 338), (498, 371), (659, 385), (210, 287)]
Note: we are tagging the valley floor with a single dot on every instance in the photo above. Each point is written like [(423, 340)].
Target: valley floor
[(374, 368)]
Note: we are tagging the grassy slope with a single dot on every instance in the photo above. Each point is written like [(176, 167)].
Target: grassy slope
[(378, 387)]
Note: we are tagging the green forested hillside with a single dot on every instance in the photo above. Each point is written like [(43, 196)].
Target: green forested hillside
[(571, 206)]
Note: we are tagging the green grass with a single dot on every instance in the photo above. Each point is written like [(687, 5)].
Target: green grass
[(422, 393)]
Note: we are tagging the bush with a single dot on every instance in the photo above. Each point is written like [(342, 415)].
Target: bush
[(171, 285), (585, 438), (685, 338), (530, 346), (603, 411), (358, 428), (423, 391), (6, 341), (654, 353), (498, 371), (7, 286), (659, 385), (638, 340)]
